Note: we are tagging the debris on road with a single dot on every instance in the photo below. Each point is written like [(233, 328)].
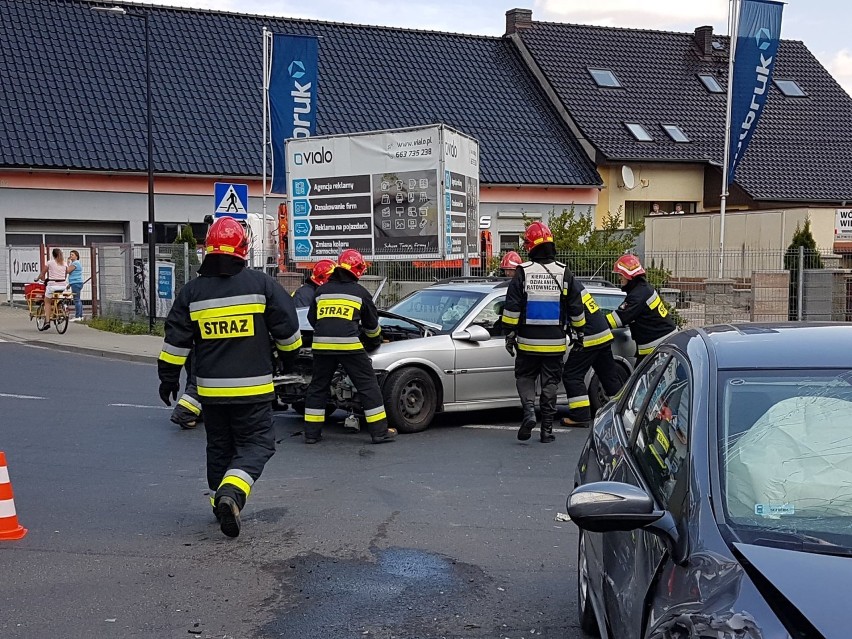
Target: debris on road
[(562, 517)]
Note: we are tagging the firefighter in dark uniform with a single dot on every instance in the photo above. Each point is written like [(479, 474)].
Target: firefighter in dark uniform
[(533, 320), (592, 349), (643, 310), (225, 317), (346, 326), (187, 412), (305, 294)]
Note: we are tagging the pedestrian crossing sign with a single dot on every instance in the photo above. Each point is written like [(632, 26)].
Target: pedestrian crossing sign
[(231, 200)]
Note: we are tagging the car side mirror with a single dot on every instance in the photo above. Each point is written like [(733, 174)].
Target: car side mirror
[(472, 334), (609, 506)]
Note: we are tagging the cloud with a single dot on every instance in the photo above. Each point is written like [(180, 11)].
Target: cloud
[(840, 66), (649, 14)]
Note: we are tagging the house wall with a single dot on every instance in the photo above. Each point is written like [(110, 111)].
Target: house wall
[(653, 183)]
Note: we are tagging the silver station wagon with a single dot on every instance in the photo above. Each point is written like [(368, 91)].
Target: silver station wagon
[(444, 352)]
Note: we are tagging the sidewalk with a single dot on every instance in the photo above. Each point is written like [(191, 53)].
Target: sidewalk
[(15, 326)]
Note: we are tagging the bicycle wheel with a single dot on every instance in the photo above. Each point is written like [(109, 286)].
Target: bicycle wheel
[(60, 320), (40, 322)]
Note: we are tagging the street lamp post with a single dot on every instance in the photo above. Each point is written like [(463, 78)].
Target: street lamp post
[(152, 252)]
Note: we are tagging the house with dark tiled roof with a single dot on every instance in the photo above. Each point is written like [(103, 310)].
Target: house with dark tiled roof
[(73, 117), (650, 105)]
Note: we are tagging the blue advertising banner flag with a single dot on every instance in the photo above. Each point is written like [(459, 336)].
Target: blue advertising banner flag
[(758, 34), (292, 97)]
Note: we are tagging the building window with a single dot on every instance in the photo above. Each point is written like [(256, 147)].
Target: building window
[(675, 132), (717, 46), (638, 131), (510, 242), (710, 83), (790, 88), (605, 78)]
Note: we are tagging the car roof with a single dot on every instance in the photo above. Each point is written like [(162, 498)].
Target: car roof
[(488, 285), (780, 345)]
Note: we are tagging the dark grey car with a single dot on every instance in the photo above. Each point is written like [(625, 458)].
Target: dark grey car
[(714, 496)]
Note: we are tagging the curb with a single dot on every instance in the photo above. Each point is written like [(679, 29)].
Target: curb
[(93, 352)]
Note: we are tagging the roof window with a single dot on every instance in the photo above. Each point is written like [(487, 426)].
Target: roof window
[(605, 78), (710, 83), (675, 132), (717, 46), (790, 88), (638, 131)]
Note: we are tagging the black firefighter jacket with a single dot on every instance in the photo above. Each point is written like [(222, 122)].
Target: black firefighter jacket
[(229, 318), (645, 313), (339, 312), (586, 317)]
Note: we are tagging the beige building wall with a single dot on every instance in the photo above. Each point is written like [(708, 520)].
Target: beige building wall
[(652, 183)]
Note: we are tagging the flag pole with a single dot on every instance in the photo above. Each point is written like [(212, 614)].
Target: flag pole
[(265, 86), (733, 27)]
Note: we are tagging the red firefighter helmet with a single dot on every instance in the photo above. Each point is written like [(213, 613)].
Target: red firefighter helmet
[(352, 261), (227, 237), (322, 270), (629, 266), (537, 234), (510, 260)]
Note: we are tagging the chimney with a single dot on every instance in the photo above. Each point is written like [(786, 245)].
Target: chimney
[(704, 40), (517, 19)]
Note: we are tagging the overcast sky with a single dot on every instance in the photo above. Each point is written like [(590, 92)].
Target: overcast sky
[(822, 24)]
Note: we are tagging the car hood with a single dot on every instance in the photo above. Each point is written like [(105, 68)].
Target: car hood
[(818, 585)]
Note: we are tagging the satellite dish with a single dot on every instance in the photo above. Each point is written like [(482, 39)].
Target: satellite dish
[(627, 177)]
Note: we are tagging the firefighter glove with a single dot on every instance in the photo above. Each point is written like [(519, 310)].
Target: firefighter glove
[(169, 388), (511, 344)]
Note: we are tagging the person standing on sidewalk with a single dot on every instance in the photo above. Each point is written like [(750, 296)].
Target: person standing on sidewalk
[(643, 310), (224, 317), (340, 312), (75, 280), (592, 349), (533, 320)]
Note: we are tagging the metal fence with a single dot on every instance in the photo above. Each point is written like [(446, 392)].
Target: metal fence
[(758, 285)]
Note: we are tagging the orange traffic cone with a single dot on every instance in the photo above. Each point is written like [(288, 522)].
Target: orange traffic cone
[(9, 526)]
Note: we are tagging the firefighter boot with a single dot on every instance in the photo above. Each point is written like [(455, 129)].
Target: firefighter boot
[(547, 435), (527, 423), (382, 438), (228, 514)]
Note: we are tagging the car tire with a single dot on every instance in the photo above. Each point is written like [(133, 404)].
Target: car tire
[(597, 396), (585, 612), (410, 399)]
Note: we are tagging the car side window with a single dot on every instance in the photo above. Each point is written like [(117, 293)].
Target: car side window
[(489, 317), (660, 449), (630, 412)]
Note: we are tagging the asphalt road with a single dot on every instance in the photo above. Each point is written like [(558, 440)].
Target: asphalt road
[(447, 533)]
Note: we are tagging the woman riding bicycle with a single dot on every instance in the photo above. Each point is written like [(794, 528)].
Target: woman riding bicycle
[(55, 276)]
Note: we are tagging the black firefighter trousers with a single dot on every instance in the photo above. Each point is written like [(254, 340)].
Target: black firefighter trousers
[(545, 369), (240, 440), (579, 361), (359, 367)]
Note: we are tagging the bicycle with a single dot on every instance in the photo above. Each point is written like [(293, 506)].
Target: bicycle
[(59, 316)]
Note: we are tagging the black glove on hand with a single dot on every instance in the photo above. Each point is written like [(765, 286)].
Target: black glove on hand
[(577, 338), (286, 365), (169, 388), (511, 344)]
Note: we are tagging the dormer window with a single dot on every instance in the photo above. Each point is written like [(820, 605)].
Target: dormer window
[(605, 78)]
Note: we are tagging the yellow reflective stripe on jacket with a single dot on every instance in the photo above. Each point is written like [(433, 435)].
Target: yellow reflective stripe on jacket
[(653, 301), (226, 311), (541, 345), (172, 359), (510, 318), (290, 344), (235, 386), (578, 321), (241, 479), (597, 339), (646, 349), (187, 403), (374, 333), (613, 320)]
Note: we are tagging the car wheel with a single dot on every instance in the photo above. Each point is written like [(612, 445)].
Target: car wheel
[(585, 612), (597, 396), (410, 399)]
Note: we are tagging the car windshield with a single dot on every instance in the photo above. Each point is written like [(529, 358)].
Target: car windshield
[(785, 454), (441, 308)]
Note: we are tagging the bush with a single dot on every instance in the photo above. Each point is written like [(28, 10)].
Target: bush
[(114, 325)]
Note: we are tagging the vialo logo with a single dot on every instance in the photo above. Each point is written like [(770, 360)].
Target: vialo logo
[(311, 158)]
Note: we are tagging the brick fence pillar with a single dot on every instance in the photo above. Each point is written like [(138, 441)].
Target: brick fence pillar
[(719, 301)]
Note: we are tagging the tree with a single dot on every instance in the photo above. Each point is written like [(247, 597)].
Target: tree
[(182, 272), (802, 237)]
